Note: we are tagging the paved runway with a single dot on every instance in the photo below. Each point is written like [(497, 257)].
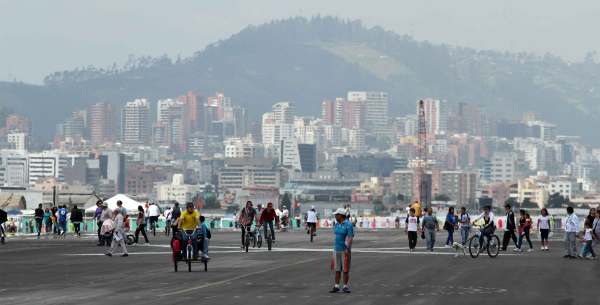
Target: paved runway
[(296, 272)]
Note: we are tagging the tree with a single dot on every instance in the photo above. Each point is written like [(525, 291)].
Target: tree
[(512, 201), (556, 200), (528, 204), (286, 202), (378, 206), (400, 197), (442, 197)]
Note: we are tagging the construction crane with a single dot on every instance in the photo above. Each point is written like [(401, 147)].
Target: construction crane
[(422, 181)]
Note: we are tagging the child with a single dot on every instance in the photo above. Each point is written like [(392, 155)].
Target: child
[(412, 228), (587, 248), (205, 233), (544, 226)]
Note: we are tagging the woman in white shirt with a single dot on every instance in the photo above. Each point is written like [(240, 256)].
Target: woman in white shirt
[(543, 225)]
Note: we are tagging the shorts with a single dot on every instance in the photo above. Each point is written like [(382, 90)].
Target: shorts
[(341, 262), (544, 234)]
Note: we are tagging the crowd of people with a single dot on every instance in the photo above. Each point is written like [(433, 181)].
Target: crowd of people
[(518, 229)]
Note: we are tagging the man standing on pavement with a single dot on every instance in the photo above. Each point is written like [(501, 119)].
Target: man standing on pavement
[(174, 216), (97, 217), (571, 230), (39, 216), (344, 234), (509, 228), (430, 225)]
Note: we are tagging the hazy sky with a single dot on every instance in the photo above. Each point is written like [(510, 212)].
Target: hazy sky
[(39, 37)]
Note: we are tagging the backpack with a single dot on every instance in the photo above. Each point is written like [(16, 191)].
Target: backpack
[(208, 234), (3, 216)]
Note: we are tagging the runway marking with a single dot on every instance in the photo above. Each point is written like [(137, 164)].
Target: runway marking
[(236, 278), (359, 250)]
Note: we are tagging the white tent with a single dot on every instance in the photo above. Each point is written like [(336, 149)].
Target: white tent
[(128, 203)]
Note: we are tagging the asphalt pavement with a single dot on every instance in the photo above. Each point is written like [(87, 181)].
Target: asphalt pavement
[(75, 271)]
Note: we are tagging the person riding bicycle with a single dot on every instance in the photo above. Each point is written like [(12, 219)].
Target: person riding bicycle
[(246, 218), (488, 228), (3, 219), (188, 222), (311, 220), (266, 218), (153, 213)]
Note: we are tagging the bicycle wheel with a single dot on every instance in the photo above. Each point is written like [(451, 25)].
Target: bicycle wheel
[(247, 242), (474, 246), (493, 247), (269, 243), (205, 265)]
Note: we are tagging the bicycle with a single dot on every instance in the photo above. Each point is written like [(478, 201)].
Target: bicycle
[(189, 249), (259, 238), (249, 237), (491, 244)]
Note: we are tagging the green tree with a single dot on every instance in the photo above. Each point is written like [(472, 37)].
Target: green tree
[(286, 201), (556, 200), (378, 206), (442, 197), (528, 204)]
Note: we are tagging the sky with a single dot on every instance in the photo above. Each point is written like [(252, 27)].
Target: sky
[(40, 37)]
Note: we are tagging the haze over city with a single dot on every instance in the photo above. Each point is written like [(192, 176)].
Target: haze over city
[(300, 152)]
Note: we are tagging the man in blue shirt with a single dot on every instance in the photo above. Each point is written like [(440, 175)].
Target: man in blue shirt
[(344, 235), (62, 219)]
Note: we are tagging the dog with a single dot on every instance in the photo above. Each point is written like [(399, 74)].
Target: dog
[(458, 247)]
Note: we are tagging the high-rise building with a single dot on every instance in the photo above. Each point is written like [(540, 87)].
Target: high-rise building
[(375, 107), (101, 121), (193, 110), (172, 116), (74, 127), (436, 117), (278, 124), (135, 122), (328, 112), (112, 168), (46, 165), (356, 140)]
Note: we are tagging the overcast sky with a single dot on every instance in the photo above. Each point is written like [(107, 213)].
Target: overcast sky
[(39, 37)]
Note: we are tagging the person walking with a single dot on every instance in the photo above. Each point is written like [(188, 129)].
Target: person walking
[(465, 225), (97, 217), (587, 240), (118, 238), (596, 229), (543, 225), (47, 221), (76, 220), (449, 226), (342, 245), (106, 214), (140, 222), (571, 230), (524, 231), (430, 225), (39, 217), (509, 228), (168, 213), (62, 220), (54, 219), (412, 229)]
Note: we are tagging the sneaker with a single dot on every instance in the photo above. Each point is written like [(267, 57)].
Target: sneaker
[(542, 248), (334, 289), (205, 257), (517, 250), (134, 244), (146, 244), (530, 250), (346, 289), (108, 254), (125, 255)]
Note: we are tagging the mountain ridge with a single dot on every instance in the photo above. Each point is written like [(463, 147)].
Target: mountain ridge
[(308, 60)]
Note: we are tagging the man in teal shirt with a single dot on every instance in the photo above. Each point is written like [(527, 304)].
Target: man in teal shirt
[(344, 234)]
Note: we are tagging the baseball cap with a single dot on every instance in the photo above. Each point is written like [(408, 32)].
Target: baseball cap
[(340, 211)]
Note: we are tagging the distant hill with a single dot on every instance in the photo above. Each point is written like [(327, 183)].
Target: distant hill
[(308, 60)]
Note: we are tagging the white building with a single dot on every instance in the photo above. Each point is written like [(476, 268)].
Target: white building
[(135, 122), (278, 124), (500, 168), (242, 148), (356, 140), (177, 190), (18, 141), (13, 169), (46, 164), (376, 107), (563, 187), (436, 116)]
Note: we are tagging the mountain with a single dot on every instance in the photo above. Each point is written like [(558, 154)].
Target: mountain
[(308, 60)]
